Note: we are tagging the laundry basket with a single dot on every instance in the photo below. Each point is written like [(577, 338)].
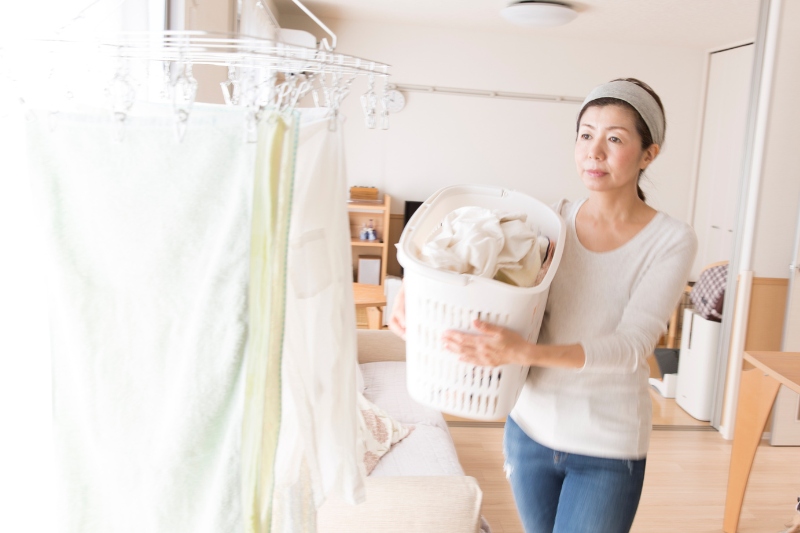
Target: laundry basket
[(437, 300)]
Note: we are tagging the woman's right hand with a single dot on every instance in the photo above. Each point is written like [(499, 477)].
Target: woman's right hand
[(397, 323)]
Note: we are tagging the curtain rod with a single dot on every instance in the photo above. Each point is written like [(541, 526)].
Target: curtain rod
[(486, 94)]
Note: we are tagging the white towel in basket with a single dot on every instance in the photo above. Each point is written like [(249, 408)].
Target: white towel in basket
[(528, 272), (478, 241)]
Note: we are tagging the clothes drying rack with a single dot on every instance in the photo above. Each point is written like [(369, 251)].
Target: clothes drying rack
[(262, 72)]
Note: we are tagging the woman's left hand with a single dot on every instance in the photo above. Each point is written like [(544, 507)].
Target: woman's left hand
[(490, 346)]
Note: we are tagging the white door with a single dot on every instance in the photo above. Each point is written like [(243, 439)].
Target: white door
[(786, 412), (724, 123)]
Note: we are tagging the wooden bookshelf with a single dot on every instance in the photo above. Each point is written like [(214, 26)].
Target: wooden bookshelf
[(361, 212)]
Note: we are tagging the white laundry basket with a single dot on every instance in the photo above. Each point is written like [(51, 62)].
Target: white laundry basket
[(437, 300)]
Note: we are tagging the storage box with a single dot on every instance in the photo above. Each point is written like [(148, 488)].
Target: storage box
[(438, 300), (363, 193), (369, 269)]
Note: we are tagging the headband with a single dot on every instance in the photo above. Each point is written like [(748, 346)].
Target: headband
[(641, 100)]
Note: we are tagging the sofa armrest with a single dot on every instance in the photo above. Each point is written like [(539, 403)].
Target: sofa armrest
[(444, 504), (379, 345)]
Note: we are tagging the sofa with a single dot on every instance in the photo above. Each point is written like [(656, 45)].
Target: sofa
[(419, 485)]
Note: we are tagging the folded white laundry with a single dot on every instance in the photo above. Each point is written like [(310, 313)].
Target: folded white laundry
[(478, 241)]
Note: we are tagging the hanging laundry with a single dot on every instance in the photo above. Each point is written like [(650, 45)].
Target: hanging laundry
[(271, 211), (482, 242), (148, 241), (200, 351), (316, 455)]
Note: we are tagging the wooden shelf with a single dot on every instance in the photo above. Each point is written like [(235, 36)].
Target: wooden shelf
[(376, 205), (361, 212)]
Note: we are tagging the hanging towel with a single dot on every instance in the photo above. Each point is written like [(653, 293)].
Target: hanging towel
[(317, 447), (478, 241), (149, 245), (272, 202)]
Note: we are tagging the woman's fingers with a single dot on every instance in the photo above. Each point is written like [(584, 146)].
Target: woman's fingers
[(400, 332), (477, 349), (397, 324), (489, 345), (397, 327), (485, 327)]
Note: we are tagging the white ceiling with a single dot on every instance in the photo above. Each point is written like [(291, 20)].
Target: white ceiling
[(705, 24)]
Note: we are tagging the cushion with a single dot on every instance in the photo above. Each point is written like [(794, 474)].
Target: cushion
[(377, 433), (429, 504), (708, 294), (385, 385), (427, 451), (379, 345)]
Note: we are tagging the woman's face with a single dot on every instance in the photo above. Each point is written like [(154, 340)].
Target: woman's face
[(608, 151)]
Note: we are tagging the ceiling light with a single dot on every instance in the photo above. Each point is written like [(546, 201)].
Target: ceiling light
[(538, 14)]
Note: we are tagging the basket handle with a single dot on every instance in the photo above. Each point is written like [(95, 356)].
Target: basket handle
[(418, 213), (412, 223), (443, 276)]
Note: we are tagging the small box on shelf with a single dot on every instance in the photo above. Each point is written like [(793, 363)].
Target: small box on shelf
[(359, 193), (369, 269)]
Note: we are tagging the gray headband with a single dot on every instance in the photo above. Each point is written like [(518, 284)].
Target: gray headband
[(641, 100)]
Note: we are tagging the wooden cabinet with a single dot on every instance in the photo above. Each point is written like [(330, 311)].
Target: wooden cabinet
[(361, 212)]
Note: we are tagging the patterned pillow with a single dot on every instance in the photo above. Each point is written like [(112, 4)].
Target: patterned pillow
[(708, 294), (377, 433)]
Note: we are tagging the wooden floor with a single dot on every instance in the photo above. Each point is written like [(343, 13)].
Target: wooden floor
[(668, 413), (684, 488)]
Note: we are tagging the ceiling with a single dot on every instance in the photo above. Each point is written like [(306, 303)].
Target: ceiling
[(705, 24)]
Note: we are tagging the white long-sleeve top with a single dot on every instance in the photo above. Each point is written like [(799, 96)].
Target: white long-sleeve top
[(615, 304)]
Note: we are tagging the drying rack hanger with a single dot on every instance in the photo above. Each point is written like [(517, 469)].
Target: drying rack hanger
[(226, 49), (262, 72)]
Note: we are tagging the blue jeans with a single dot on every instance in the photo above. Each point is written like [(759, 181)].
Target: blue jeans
[(558, 492)]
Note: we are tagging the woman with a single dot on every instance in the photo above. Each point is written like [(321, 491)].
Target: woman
[(576, 442)]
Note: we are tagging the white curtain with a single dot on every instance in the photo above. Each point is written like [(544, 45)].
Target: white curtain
[(27, 483), (26, 451)]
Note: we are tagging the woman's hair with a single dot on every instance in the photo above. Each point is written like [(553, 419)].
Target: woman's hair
[(641, 126)]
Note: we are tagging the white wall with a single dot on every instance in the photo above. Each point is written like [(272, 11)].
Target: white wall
[(439, 140), (779, 199)]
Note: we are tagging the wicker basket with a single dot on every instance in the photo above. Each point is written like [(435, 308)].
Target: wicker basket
[(437, 300)]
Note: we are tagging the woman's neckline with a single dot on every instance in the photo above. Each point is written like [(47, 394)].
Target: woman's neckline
[(622, 246)]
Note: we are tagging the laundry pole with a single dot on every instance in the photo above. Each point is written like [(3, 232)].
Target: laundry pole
[(740, 278)]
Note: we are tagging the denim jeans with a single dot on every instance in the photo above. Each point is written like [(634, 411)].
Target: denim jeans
[(558, 492)]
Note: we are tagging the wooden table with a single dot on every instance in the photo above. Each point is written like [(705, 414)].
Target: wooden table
[(371, 298), (757, 391)]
